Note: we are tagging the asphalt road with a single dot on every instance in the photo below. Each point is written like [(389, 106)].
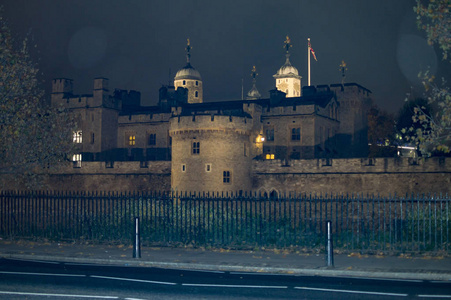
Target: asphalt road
[(20, 279)]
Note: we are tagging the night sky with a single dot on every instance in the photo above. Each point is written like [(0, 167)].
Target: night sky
[(140, 45)]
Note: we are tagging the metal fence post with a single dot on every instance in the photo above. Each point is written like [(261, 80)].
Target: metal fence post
[(136, 244), (329, 246)]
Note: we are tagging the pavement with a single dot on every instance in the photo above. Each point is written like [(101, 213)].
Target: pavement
[(268, 261)]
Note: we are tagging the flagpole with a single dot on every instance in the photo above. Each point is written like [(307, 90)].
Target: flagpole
[(308, 54)]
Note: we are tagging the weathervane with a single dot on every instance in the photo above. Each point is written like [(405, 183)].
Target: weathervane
[(287, 43), (188, 49), (343, 69), (254, 73)]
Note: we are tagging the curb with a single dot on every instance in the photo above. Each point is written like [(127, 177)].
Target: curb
[(325, 272)]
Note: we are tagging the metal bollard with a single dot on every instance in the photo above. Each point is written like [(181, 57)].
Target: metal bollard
[(137, 244), (329, 246)]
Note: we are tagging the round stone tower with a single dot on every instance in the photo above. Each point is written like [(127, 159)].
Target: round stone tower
[(189, 78), (287, 77), (211, 153)]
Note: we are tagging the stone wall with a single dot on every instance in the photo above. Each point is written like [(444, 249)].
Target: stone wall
[(382, 176)]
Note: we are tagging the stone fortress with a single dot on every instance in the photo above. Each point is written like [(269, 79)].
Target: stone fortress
[(309, 139)]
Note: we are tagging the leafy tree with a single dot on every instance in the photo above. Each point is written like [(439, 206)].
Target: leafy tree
[(434, 133), (434, 18), (381, 133), (32, 134)]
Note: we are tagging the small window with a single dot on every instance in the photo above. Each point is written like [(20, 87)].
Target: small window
[(196, 94), (226, 177), (78, 137), (92, 138), (131, 140), (196, 148), (269, 134), (197, 83), (183, 167), (184, 82), (76, 159), (109, 164), (296, 134), (270, 156), (152, 139), (208, 168)]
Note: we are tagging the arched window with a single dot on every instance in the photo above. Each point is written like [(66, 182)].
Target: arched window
[(196, 94)]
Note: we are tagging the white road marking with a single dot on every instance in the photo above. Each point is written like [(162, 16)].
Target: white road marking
[(207, 271), (236, 286), (386, 279), (434, 296), (42, 274), (39, 261), (57, 295), (351, 291), (134, 280)]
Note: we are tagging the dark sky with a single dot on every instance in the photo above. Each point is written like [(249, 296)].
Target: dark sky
[(138, 43)]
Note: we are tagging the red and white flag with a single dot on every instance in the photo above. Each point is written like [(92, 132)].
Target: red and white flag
[(312, 51)]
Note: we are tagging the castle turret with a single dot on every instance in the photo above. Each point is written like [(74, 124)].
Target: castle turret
[(189, 78), (211, 153), (253, 94), (287, 77)]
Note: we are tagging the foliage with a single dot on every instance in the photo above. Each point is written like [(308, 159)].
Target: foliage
[(381, 133), (434, 18), (31, 133), (432, 135)]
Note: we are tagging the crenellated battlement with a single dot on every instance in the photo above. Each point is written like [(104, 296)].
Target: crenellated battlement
[(210, 122), (354, 165)]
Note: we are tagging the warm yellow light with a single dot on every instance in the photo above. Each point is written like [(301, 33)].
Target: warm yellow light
[(270, 156)]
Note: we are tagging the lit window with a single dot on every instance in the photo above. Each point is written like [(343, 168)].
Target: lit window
[(208, 168), (76, 158), (270, 156), (296, 134), (226, 177), (152, 139), (196, 147), (78, 137), (131, 140)]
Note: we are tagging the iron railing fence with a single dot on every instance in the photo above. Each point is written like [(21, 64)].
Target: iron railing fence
[(368, 224)]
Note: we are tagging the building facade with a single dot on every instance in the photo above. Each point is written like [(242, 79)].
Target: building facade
[(213, 146)]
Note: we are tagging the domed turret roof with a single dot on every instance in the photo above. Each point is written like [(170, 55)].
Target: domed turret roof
[(287, 69), (254, 94), (187, 72)]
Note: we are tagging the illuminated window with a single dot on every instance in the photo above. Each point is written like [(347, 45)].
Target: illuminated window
[(208, 168), (78, 137), (226, 177), (152, 139), (196, 148), (270, 134), (76, 158), (270, 156), (296, 134), (131, 140)]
